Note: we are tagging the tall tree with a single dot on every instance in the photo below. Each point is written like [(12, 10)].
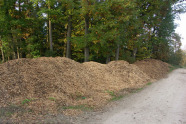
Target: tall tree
[(99, 30), (86, 4), (50, 25)]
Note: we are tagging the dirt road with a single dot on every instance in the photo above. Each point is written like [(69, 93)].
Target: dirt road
[(163, 102)]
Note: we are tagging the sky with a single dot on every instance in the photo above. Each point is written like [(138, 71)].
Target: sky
[(181, 29)]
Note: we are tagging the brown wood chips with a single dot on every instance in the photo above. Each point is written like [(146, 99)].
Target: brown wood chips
[(48, 85)]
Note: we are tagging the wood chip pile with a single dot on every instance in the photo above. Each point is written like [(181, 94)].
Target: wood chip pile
[(155, 69), (46, 85)]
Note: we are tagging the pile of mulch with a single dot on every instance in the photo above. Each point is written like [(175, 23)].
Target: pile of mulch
[(155, 69), (36, 87)]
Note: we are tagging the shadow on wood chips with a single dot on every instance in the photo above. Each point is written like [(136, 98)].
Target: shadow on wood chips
[(32, 88)]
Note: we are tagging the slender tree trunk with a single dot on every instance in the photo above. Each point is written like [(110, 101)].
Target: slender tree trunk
[(14, 56), (134, 52), (2, 53), (117, 52), (65, 49), (50, 35), (3, 57), (50, 31), (18, 56), (86, 33), (69, 31), (47, 35), (108, 59), (86, 54)]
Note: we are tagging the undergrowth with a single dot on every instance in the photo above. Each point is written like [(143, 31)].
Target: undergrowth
[(173, 67)]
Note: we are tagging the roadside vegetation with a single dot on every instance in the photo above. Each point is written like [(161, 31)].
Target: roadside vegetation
[(179, 61), (183, 62)]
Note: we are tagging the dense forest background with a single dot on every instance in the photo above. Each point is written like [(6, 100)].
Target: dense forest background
[(90, 30)]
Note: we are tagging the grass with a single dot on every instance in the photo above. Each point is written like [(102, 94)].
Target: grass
[(149, 83), (118, 97), (79, 96), (136, 90), (26, 101), (81, 107), (139, 89), (52, 98), (114, 96), (8, 114), (111, 93)]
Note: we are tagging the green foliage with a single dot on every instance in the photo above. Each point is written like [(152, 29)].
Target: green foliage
[(49, 53), (127, 56), (183, 62), (141, 29), (175, 58)]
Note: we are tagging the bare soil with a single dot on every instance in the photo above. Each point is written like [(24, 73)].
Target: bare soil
[(33, 89)]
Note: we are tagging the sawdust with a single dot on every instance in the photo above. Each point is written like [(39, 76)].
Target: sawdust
[(46, 85)]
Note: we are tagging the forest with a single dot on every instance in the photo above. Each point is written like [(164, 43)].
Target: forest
[(90, 30)]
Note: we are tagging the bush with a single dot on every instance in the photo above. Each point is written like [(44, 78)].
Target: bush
[(50, 53)]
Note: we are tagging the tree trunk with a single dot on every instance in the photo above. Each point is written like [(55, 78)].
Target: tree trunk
[(18, 56), (86, 33), (108, 59), (50, 35), (86, 54), (69, 31), (14, 55), (14, 41), (47, 35), (117, 52), (50, 31), (134, 53), (2, 53), (3, 57)]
